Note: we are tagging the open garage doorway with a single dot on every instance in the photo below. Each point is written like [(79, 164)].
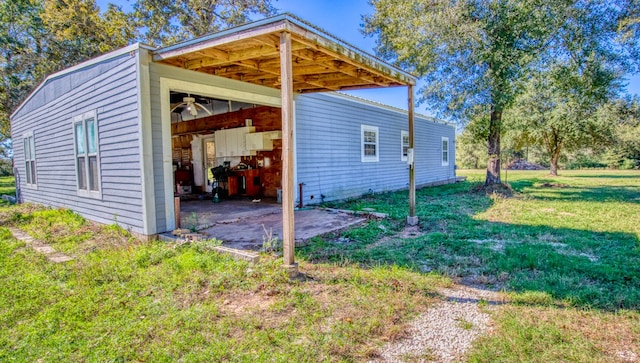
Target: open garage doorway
[(224, 151)]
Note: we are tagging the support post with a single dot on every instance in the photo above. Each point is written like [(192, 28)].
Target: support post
[(286, 91), (176, 209), (412, 219)]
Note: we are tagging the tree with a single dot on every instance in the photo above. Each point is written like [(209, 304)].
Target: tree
[(475, 55), (624, 115), (41, 37), (170, 21), (559, 118), (79, 31), (22, 40)]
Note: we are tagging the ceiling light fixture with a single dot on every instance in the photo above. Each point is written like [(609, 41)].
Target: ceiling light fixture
[(192, 106)]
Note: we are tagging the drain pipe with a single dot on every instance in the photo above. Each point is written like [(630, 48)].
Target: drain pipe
[(300, 202)]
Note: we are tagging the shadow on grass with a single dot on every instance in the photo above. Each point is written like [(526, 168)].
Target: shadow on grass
[(608, 176), (537, 189), (581, 267)]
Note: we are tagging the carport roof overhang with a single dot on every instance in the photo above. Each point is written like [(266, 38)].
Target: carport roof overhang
[(251, 53)]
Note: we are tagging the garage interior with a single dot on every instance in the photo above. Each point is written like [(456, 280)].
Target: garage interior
[(224, 149), (227, 161)]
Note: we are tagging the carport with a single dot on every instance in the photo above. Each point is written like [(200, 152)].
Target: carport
[(288, 54)]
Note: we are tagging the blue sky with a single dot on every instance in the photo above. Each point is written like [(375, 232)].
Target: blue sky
[(343, 19)]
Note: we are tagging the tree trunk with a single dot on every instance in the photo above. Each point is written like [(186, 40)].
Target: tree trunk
[(493, 148), (554, 163)]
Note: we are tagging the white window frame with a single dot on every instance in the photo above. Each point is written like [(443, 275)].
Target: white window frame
[(86, 191), (404, 146), (369, 158), (30, 166), (445, 151)]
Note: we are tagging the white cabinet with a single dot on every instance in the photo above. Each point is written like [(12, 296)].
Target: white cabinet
[(258, 141), (232, 142), (221, 143), (262, 141)]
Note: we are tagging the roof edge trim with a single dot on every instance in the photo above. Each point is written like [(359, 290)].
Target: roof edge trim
[(385, 106)]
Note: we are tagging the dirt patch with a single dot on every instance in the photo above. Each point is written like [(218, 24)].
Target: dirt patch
[(553, 185), (406, 232), (411, 232), (494, 244), (503, 190), (247, 303)]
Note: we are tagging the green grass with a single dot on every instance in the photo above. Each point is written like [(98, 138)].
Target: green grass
[(7, 186), (566, 249), (125, 300), (574, 238)]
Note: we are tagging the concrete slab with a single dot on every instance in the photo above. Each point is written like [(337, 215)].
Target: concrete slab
[(244, 224), (202, 214)]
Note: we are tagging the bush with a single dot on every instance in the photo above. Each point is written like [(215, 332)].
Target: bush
[(6, 167), (628, 164)]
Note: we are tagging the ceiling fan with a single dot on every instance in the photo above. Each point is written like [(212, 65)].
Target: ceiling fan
[(192, 106)]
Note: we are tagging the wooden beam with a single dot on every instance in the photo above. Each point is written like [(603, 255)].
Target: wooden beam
[(343, 58), (286, 91), (412, 219), (340, 66), (232, 57)]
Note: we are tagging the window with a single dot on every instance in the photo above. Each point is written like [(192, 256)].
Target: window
[(404, 145), (445, 151), (370, 151), (30, 158), (85, 131)]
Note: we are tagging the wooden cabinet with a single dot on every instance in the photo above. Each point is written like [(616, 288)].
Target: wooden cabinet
[(249, 182)]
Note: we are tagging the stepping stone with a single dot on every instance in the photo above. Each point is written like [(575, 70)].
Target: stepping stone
[(59, 258), (40, 247), (47, 250)]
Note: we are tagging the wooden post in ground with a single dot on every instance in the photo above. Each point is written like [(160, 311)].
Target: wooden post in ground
[(176, 209), (286, 91), (412, 219)]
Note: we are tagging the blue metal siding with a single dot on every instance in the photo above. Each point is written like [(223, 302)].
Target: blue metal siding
[(328, 148), (109, 88)]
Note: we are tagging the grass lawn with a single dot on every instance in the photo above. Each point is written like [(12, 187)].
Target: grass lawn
[(6, 187), (124, 300), (567, 250)]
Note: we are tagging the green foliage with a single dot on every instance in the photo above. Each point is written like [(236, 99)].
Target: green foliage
[(41, 37), (471, 150), (559, 116), (625, 117), (7, 186), (166, 21), (474, 56), (6, 167), (38, 38)]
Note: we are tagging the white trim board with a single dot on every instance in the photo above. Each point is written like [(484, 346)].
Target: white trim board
[(171, 84), (149, 224)]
